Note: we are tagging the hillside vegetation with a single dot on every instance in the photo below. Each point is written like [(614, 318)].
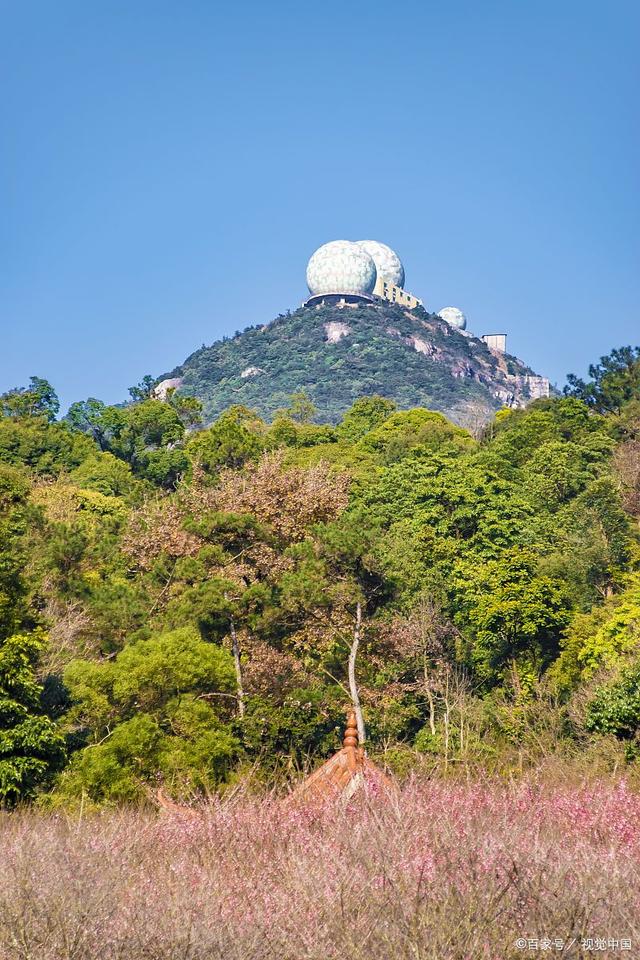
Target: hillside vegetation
[(338, 355), (177, 604)]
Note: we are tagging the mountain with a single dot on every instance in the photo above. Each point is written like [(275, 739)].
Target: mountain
[(337, 354)]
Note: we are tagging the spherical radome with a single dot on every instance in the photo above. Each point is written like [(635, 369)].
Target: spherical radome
[(388, 263), (341, 267), (454, 317)]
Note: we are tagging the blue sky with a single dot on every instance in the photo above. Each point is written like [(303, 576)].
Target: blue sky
[(167, 168)]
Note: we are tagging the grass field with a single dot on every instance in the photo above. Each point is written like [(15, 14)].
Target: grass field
[(443, 871)]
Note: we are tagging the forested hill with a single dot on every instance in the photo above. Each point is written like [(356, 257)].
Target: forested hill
[(337, 355), (180, 604)]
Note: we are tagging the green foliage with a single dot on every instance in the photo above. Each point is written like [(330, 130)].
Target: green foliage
[(363, 416), (415, 431), (284, 432), (301, 409), (88, 416), (44, 447), (605, 637), (616, 707), (16, 517), (511, 613), (517, 435), (147, 435), (39, 399), (614, 381), (151, 709), (146, 675), (31, 749), (188, 409), (307, 721), (143, 390), (105, 474), (230, 442), (618, 636)]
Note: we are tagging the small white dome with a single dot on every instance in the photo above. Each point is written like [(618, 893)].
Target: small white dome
[(454, 317), (388, 263), (341, 267)]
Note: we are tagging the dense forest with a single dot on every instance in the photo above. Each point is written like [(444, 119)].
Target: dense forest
[(178, 604)]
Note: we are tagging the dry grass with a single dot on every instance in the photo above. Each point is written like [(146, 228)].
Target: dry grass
[(443, 871)]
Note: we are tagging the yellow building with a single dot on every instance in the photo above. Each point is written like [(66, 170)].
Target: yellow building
[(389, 291)]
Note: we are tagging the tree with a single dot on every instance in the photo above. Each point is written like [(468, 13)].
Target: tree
[(301, 408), (156, 708), (39, 399), (334, 590), (231, 441), (604, 638), (290, 500), (615, 708), (88, 416), (422, 644), (279, 569), (31, 748), (44, 447), (106, 474), (16, 515), (615, 380), (148, 435), (510, 613), (365, 415), (415, 431), (143, 390), (189, 409)]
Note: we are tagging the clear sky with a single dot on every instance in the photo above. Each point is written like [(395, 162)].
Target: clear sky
[(167, 168)]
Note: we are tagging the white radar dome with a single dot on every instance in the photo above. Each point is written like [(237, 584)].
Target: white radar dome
[(454, 317), (341, 267), (388, 263)]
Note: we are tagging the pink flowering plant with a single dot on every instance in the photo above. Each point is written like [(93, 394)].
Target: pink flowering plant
[(442, 870)]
